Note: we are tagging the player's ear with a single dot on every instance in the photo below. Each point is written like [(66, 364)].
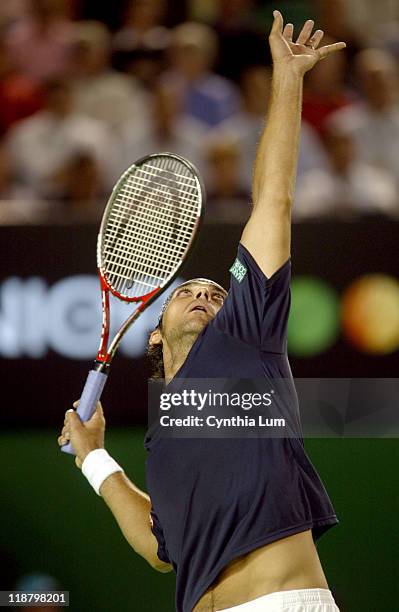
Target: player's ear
[(155, 337)]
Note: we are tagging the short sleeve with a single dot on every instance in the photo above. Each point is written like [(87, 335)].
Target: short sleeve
[(257, 307), (158, 533)]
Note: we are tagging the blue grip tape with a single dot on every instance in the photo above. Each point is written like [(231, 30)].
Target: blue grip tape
[(91, 394)]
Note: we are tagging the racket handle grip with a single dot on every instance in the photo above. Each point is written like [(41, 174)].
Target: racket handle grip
[(91, 394)]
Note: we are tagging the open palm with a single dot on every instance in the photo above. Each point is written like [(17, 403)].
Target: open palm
[(303, 54)]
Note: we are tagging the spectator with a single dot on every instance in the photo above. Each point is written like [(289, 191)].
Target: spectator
[(334, 16), (228, 200), (19, 95), (40, 42), (388, 38), (142, 25), (245, 126), (348, 188), (324, 90), (6, 179), (144, 64), (241, 44), (17, 204), (41, 145), (140, 45), (204, 95), (374, 121), (368, 18), (11, 11), (79, 188), (99, 91), (166, 129)]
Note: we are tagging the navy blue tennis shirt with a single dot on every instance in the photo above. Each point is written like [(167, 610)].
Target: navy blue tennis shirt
[(216, 499)]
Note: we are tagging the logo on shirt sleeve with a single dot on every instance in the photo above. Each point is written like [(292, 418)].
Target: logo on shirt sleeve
[(238, 270)]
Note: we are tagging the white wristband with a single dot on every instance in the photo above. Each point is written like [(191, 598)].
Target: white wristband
[(97, 466)]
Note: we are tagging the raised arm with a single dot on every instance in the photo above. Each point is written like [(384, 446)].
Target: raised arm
[(267, 235)]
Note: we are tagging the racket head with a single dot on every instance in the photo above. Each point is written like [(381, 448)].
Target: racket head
[(149, 225)]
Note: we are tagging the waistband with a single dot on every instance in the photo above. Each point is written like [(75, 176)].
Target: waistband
[(287, 598)]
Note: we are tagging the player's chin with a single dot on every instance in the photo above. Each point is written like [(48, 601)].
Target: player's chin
[(196, 324)]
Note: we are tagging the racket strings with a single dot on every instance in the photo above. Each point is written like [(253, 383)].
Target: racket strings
[(150, 225), (120, 211), (142, 232), (141, 229)]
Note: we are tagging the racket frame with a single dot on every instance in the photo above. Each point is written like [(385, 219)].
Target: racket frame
[(104, 355), (98, 375)]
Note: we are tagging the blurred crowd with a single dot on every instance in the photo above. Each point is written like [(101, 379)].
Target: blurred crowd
[(84, 93)]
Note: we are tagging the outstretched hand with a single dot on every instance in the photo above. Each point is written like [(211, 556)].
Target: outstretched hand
[(302, 55)]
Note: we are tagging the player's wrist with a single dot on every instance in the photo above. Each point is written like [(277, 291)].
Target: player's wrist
[(286, 74), (97, 466), (83, 453)]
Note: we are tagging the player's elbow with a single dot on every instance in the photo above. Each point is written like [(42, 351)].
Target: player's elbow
[(160, 566)]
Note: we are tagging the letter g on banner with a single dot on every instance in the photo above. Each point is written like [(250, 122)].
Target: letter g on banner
[(74, 316)]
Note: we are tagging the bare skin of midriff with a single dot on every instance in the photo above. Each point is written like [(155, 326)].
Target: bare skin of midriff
[(287, 564)]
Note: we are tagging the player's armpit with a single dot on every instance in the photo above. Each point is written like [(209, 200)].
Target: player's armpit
[(267, 236)]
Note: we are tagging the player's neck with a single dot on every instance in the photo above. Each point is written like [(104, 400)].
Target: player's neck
[(176, 354)]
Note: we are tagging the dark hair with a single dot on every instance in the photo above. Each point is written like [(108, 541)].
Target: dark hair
[(155, 358)]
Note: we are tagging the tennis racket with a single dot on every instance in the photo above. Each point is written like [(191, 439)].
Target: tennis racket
[(146, 233)]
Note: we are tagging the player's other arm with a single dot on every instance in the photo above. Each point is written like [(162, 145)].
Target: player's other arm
[(129, 505), (267, 235), (131, 509)]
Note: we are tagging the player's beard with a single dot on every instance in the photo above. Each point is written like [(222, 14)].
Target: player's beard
[(182, 335)]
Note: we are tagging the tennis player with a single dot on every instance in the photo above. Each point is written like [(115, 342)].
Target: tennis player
[(236, 519)]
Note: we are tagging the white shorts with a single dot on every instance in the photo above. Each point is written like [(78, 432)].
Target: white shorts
[(300, 600)]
